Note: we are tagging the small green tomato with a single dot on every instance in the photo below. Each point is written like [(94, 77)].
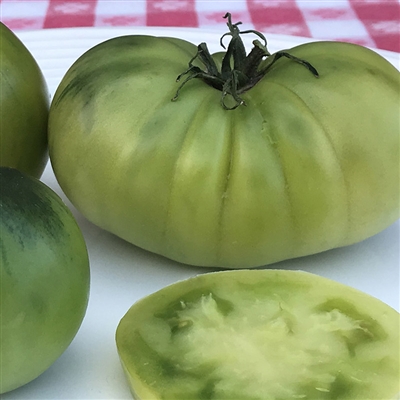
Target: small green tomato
[(24, 105), (44, 278)]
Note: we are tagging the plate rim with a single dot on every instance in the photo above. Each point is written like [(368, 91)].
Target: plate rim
[(163, 31)]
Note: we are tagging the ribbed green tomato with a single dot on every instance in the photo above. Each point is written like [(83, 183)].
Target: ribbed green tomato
[(309, 164), (260, 335), (44, 278), (24, 105)]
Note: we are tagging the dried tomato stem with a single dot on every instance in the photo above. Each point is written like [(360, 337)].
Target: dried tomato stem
[(239, 72)]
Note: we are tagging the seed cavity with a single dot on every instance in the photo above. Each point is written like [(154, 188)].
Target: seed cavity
[(351, 326)]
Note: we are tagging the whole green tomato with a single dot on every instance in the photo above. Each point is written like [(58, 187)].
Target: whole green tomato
[(257, 335), (264, 158), (24, 106), (44, 278)]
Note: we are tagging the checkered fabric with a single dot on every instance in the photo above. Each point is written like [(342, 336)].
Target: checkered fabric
[(370, 23)]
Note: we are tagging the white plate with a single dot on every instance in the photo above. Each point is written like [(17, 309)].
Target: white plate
[(123, 273), (56, 49)]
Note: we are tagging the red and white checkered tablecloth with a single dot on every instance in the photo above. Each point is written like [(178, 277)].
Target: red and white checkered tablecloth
[(370, 23)]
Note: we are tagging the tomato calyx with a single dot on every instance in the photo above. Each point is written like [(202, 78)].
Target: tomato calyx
[(239, 72)]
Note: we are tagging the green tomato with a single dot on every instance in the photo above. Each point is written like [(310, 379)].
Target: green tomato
[(258, 335), (44, 278), (24, 106), (309, 164)]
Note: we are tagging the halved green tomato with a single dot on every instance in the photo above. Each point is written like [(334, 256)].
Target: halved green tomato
[(260, 335)]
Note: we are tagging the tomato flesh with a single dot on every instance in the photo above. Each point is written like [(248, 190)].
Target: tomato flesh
[(260, 335)]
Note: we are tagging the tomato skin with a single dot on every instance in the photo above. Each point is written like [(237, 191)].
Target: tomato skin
[(260, 334), (24, 106), (308, 165), (44, 278)]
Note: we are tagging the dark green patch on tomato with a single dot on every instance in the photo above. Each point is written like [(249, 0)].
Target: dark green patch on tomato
[(312, 338), (22, 199)]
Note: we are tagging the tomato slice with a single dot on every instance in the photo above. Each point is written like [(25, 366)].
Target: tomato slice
[(260, 335)]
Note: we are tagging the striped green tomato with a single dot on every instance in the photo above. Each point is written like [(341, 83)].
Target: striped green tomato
[(305, 165), (44, 278)]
